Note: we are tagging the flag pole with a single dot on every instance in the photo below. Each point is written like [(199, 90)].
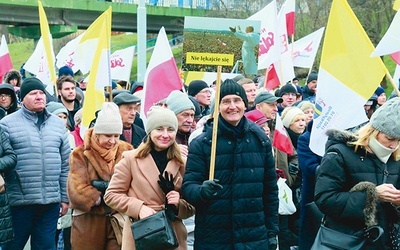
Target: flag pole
[(266, 78), (215, 125), (109, 90), (309, 72), (291, 55), (395, 87), (142, 33)]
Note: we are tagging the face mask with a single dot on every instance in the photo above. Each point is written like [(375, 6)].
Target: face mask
[(382, 152)]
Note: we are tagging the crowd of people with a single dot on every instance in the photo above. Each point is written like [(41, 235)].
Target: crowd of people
[(61, 188)]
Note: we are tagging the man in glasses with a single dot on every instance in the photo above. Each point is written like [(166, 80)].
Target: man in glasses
[(289, 96), (202, 93)]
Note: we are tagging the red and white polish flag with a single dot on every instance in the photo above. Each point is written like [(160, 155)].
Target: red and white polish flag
[(5, 59), (162, 75), (282, 140)]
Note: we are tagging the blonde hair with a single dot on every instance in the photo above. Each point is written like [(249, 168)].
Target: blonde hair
[(367, 132), (244, 81), (145, 148)]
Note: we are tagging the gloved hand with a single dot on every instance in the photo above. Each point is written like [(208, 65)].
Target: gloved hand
[(171, 211), (273, 243), (209, 189), (100, 185), (166, 183), (233, 29)]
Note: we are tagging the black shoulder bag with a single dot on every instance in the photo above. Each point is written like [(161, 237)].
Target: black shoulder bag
[(329, 239), (154, 232)]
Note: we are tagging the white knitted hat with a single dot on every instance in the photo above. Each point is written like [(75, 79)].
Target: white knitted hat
[(289, 114), (109, 120), (158, 116)]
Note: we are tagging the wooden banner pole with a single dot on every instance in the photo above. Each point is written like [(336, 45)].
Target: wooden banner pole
[(395, 87), (215, 125)]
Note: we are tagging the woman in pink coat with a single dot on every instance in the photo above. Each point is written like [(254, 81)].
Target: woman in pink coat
[(134, 189)]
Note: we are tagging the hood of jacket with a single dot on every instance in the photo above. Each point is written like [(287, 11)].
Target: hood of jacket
[(336, 136), (10, 73), (9, 89)]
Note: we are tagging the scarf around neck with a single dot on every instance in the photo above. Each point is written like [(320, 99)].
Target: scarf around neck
[(383, 153), (108, 155)]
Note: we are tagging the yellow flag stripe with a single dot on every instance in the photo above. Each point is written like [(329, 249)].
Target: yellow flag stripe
[(45, 32), (396, 5), (347, 49)]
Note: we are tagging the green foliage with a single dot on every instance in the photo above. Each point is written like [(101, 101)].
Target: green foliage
[(123, 41), (20, 52)]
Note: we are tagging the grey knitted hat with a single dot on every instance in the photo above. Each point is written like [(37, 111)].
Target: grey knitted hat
[(312, 76), (386, 117), (158, 116), (178, 102), (109, 120)]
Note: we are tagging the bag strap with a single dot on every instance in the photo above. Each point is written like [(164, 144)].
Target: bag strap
[(373, 233)]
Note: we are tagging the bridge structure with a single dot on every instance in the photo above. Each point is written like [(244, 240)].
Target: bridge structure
[(66, 17)]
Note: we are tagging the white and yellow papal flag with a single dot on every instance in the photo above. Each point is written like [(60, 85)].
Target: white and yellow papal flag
[(93, 54), (48, 43), (41, 62), (347, 77)]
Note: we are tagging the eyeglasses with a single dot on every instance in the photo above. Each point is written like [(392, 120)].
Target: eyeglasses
[(5, 96)]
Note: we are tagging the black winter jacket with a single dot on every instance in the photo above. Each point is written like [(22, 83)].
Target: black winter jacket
[(246, 212), (340, 170), (137, 135), (8, 160)]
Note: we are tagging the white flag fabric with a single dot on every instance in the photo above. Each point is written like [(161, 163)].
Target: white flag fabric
[(37, 65), (285, 67), (66, 55), (268, 51), (306, 48), (121, 63), (390, 42), (396, 75)]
